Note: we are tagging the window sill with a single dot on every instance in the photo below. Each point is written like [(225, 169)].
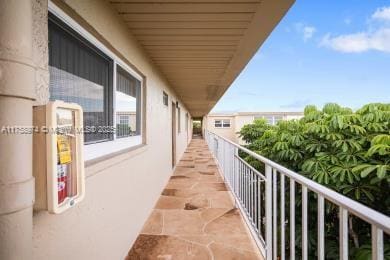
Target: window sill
[(105, 150)]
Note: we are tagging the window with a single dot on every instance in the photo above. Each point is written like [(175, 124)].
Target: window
[(222, 123), (165, 98), (82, 74), (128, 102), (226, 123), (178, 120), (272, 120), (84, 71), (277, 119), (124, 120)]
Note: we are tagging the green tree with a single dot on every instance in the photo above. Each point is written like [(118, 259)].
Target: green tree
[(346, 151)]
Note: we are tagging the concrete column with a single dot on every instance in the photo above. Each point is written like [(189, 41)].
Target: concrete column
[(17, 94)]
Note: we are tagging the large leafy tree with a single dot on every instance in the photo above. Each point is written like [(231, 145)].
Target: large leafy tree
[(344, 150)]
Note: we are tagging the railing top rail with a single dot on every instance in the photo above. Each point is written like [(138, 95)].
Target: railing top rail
[(368, 214)]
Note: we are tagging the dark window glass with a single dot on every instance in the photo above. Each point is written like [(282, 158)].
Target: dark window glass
[(127, 104), (80, 73), (165, 98)]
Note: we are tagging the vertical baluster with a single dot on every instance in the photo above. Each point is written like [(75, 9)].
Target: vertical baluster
[(255, 219), (235, 170), (321, 226), (268, 211), (282, 219), (275, 208), (249, 190), (250, 193), (240, 179), (292, 219), (223, 159), (241, 184), (377, 243), (246, 188), (304, 223), (253, 195), (343, 233), (259, 217)]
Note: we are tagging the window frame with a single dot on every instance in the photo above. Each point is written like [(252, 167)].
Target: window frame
[(222, 123), (101, 149), (123, 118)]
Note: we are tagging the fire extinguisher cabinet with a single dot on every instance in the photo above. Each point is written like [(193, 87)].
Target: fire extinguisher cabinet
[(58, 156)]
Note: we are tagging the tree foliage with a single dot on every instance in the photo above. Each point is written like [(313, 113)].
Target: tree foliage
[(344, 150)]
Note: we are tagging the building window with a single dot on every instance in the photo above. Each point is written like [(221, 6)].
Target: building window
[(271, 119), (82, 71), (226, 123), (165, 98), (277, 119), (222, 123), (82, 74), (124, 120), (128, 102), (178, 120)]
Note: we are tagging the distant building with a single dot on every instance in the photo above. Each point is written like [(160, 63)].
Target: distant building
[(229, 124)]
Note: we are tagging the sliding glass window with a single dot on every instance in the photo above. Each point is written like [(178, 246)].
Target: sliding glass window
[(82, 74)]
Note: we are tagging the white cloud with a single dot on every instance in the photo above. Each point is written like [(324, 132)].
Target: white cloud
[(375, 38), (307, 31), (382, 14), (359, 42)]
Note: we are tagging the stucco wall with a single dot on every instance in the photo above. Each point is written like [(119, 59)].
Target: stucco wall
[(121, 191)]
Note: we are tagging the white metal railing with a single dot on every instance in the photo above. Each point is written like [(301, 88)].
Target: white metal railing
[(256, 195)]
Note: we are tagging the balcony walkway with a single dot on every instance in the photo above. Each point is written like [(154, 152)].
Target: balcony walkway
[(195, 217)]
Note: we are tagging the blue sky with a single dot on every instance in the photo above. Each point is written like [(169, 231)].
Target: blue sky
[(322, 51)]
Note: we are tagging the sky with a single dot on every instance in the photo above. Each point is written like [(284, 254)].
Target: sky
[(322, 51)]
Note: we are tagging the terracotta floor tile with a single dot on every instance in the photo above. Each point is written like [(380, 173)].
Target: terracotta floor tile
[(223, 252), (170, 202), (227, 224), (210, 186), (182, 222), (195, 216), (220, 199), (154, 224), (166, 247), (212, 213)]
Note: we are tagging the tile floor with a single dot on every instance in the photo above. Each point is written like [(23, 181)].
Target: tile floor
[(195, 217)]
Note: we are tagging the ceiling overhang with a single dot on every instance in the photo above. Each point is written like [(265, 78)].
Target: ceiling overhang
[(201, 46)]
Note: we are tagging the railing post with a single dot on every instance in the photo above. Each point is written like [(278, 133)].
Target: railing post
[(268, 212)]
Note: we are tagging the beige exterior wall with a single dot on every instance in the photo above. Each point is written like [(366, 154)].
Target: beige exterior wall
[(121, 191), (238, 120), (228, 133)]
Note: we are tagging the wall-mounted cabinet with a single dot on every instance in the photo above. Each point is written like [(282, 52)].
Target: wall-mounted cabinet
[(58, 156)]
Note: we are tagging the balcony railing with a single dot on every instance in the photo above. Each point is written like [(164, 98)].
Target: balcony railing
[(256, 195)]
